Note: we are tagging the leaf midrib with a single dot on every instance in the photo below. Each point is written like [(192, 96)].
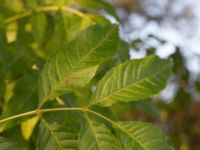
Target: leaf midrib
[(29, 97), (74, 68), (98, 45), (52, 133), (121, 89), (129, 134), (92, 129)]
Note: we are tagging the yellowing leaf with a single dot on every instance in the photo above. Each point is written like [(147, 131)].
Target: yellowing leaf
[(28, 126)]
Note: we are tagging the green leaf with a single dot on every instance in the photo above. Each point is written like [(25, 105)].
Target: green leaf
[(59, 36), (62, 28), (52, 2), (97, 4), (96, 136), (2, 85), (99, 19), (18, 60), (39, 23), (53, 136), (25, 99), (74, 65), (24, 35), (33, 4), (3, 40), (135, 135), (13, 62), (28, 127), (123, 51), (73, 24), (70, 119), (6, 144), (132, 80)]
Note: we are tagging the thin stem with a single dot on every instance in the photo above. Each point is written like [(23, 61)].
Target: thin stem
[(19, 116), (17, 17), (47, 9), (99, 115), (40, 111), (59, 109), (46, 110)]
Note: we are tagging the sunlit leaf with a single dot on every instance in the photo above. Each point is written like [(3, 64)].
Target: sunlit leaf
[(133, 80), (28, 126), (75, 64), (99, 19), (53, 136), (97, 4), (141, 136), (96, 136)]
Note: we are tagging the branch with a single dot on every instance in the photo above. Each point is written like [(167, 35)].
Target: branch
[(38, 111), (46, 110), (99, 115), (47, 9)]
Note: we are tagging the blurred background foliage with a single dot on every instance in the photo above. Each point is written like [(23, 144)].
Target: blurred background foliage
[(32, 30)]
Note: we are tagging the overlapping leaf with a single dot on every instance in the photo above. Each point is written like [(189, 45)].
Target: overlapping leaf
[(24, 99), (6, 144), (133, 80), (2, 85), (3, 40), (58, 37), (96, 136), (141, 136), (18, 60), (55, 137), (3, 44), (123, 51), (28, 126), (75, 64), (38, 22), (97, 4)]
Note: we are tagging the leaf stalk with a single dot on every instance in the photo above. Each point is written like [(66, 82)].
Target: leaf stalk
[(48, 9), (38, 111), (46, 110)]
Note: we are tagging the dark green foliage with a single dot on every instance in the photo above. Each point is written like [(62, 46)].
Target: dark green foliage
[(57, 56)]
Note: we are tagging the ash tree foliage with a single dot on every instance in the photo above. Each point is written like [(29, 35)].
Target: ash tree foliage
[(62, 65)]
